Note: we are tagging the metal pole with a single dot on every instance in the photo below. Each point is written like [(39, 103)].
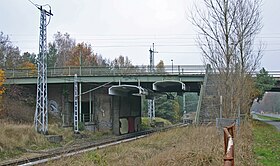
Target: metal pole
[(80, 102), (172, 65), (154, 110), (76, 105)]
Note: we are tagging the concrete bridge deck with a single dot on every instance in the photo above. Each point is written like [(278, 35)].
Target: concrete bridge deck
[(190, 73)]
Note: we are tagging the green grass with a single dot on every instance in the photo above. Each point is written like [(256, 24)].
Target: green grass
[(266, 143), (269, 118)]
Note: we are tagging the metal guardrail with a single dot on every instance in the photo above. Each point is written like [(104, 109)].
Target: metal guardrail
[(109, 71), (229, 145), (117, 71)]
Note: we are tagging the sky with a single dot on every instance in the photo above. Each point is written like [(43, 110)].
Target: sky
[(128, 28)]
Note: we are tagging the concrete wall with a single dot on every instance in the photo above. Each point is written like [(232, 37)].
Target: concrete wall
[(122, 114)]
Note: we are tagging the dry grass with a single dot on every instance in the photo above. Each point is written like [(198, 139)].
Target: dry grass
[(12, 136), (184, 146), (15, 138), (195, 146), (244, 154)]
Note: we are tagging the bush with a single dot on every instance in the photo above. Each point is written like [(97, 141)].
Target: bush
[(145, 125)]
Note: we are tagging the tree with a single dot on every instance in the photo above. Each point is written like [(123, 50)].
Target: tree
[(264, 82), (122, 65), (100, 61), (227, 29), (61, 49), (160, 67), (81, 54), (9, 54), (28, 57), (167, 108), (2, 89), (4, 43), (52, 55)]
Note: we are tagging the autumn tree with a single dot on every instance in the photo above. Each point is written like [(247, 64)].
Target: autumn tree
[(82, 54), (29, 63), (227, 30)]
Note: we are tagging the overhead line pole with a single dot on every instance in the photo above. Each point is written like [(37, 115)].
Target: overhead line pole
[(41, 112), (151, 102)]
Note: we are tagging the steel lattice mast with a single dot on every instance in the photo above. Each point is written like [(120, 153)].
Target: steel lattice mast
[(76, 105), (41, 113)]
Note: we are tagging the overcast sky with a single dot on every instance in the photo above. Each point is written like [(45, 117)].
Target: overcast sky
[(128, 28)]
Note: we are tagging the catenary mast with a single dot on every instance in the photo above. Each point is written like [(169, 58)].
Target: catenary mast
[(41, 112)]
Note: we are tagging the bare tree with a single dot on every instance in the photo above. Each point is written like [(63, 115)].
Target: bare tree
[(227, 30), (63, 45)]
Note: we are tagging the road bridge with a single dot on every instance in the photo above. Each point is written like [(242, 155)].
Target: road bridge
[(109, 98)]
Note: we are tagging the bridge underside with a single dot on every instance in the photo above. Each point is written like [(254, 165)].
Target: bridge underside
[(126, 107), (111, 107), (169, 86), (127, 90)]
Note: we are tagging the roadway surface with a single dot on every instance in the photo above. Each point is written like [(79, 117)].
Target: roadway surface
[(274, 123)]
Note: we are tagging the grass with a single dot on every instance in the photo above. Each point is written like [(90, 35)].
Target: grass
[(182, 146), (15, 139), (255, 144), (266, 143), (268, 118)]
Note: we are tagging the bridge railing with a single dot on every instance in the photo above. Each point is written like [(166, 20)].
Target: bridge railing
[(110, 71)]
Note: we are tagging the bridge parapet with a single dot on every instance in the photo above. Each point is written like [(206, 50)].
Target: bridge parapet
[(110, 71)]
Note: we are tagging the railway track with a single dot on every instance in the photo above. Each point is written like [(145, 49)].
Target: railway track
[(65, 152)]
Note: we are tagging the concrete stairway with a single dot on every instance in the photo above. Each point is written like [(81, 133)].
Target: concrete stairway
[(210, 101)]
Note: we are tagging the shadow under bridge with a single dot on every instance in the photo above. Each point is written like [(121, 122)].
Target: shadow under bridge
[(127, 102)]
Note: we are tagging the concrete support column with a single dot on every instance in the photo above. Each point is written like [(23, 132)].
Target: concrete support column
[(116, 114), (90, 107), (184, 102)]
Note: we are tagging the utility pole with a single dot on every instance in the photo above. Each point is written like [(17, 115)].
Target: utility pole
[(151, 102), (41, 113), (152, 58)]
